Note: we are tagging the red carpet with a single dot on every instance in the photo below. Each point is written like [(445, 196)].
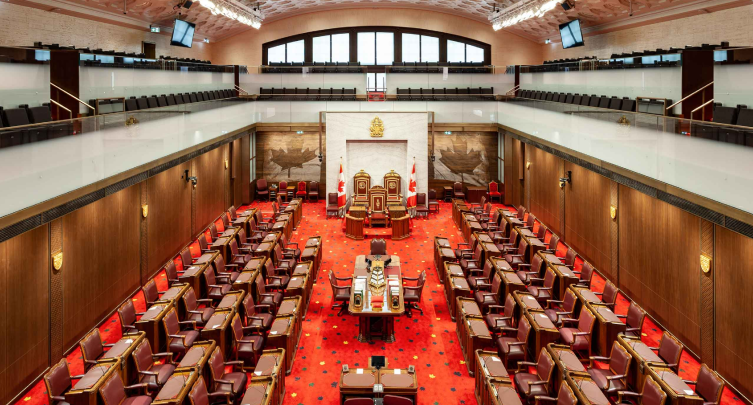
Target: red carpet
[(428, 342)]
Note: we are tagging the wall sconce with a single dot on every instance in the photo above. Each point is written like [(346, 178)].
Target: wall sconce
[(528, 165), (705, 263), (227, 163), (144, 210), (565, 180), (321, 157), (194, 180), (612, 211), (57, 260), (299, 132), (448, 132)]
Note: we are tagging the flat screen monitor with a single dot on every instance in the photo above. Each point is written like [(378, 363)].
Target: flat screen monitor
[(571, 34), (182, 33)]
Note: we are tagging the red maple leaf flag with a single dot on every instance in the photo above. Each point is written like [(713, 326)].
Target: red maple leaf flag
[(341, 197), (411, 202)]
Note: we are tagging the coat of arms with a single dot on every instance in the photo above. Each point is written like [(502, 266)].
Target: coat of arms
[(377, 128)]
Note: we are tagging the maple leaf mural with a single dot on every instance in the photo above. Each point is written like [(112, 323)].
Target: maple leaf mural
[(294, 157), (458, 159)]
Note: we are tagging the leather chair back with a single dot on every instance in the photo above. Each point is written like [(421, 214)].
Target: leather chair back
[(151, 294), (171, 271), (261, 288), (127, 313), (541, 232), (233, 245), (545, 366), (524, 329), (209, 276), (522, 247), (536, 264), (521, 212), (457, 187), (301, 186), (378, 246), (57, 380), (269, 268), (635, 316), (396, 400), (670, 349), (709, 385), (569, 301), (203, 241), (531, 221), (496, 282), (219, 264), (477, 251), (283, 186), (278, 253), (586, 273), (225, 221), (554, 241), (142, 356), (185, 257), (492, 187), (275, 208), (113, 391), (217, 364), (198, 394), (549, 278), (170, 320), (652, 393), (432, 194), (237, 327), (332, 199), (420, 284), (91, 345), (619, 359), (487, 269), (241, 236), (189, 299), (586, 321), (314, 187), (421, 199), (570, 256), (249, 307), (509, 306), (261, 185), (213, 231), (610, 293), (564, 397), (233, 213)]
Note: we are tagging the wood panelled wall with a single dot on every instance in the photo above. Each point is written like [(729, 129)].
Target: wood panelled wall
[(651, 250), (109, 250)]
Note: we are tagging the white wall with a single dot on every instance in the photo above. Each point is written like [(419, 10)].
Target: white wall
[(24, 84)]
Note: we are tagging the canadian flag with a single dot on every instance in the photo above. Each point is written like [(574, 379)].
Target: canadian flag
[(341, 196), (411, 202)]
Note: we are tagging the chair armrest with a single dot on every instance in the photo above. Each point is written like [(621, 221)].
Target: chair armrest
[(523, 264), (108, 345), (230, 383), (581, 333), (196, 312), (633, 330), (621, 394), (77, 377), (621, 316), (541, 398), (517, 343), (616, 377), (140, 313), (526, 363), (550, 302), (204, 301), (58, 398), (690, 382), (569, 320), (137, 386), (149, 373), (90, 362), (192, 323)]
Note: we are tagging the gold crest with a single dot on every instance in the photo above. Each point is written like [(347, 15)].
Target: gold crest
[(377, 128), (57, 260), (144, 210)]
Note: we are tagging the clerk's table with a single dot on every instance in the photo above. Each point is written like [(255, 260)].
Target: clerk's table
[(375, 322)]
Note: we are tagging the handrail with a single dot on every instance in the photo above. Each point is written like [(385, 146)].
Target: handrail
[(699, 107), (239, 89), (70, 114), (512, 90), (689, 95), (72, 96)]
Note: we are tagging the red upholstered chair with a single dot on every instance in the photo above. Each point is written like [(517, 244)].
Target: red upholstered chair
[(497, 321), (282, 190), (518, 257), (422, 210), (340, 292), (541, 232), (585, 274), (254, 316), (113, 392), (333, 208), (221, 270), (286, 247), (231, 384), (277, 278), (396, 400), (488, 295), (634, 319), (457, 190), (526, 272), (193, 312), (478, 276), (179, 340), (708, 385), (529, 385), (470, 262), (232, 213), (652, 394), (262, 189), (570, 257), (579, 338), (249, 342), (412, 294), (494, 192), (172, 273), (154, 375), (282, 205), (565, 396), (93, 348), (378, 247), (521, 215), (609, 296), (314, 191), (670, 349), (199, 395), (554, 241), (513, 348), (186, 258), (614, 378), (58, 381), (128, 317), (236, 256), (559, 310), (203, 244), (215, 290), (151, 294), (301, 191), (213, 231), (543, 293), (272, 299), (433, 203), (283, 258)]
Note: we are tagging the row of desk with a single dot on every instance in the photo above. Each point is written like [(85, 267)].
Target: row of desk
[(360, 383)]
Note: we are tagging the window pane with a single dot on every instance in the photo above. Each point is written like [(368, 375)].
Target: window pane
[(276, 54), (385, 48), (321, 49), (474, 54), (370, 79), (341, 48), (455, 51), (381, 81), (295, 51), (429, 49), (411, 48), (366, 48)]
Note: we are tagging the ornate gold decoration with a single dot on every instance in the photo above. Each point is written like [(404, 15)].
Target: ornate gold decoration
[(624, 121), (131, 120), (705, 263), (57, 260), (144, 210), (612, 211), (377, 128)]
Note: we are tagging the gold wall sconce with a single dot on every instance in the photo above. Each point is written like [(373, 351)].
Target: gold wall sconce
[(528, 165), (705, 263), (57, 260), (144, 210), (227, 164), (612, 211)]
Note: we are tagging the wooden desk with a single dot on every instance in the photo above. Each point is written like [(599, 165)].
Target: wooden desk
[(357, 382), (678, 393), (606, 329), (194, 274), (457, 287), (246, 282), (218, 329), (459, 208), (86, 390), (353, 227), (283, 225), (550, 260), (470, 226), (151, 324), (400, 227), (534, 244), (379, 323), (567, 362), (255, 264), (510, 283), (500, 392), (509, 222), (291, 306), (396, 211), (175, 295), (443, 253), (488, 250), (465, 306), (197, 357), (474, 193), (451, 269), (297, 203), (312, 252), (475, 335), (565, 278), (399, 382), (261, 392), (543, 332), (176, 388), (488, 366), (586, 390), (222, 244), (298, 286), (585, 296), (244, 220), (642, 357), (232, 301), (304, 269), (500, 264), (284, 334), (524, 301), (357, 211), (271, 364), (123, 351)]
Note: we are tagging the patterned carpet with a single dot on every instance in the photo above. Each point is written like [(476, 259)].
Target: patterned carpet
[(427, 341)]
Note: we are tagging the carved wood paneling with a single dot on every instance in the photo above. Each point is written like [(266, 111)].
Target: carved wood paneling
[(210, 191), (546, 194), (707, 295)]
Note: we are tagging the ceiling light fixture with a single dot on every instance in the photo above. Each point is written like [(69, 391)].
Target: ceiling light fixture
[(229, 10), (519, 12)]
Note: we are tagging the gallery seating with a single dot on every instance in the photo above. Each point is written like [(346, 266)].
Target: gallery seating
[(614, 378), (58, 381), (438, 67), (93, 348), (613, 103), (307, 94), (114, 392), (445, 94), (579, 337), (313, 67), (531, 386), (740, 115), (180, 334), (153, 369)]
